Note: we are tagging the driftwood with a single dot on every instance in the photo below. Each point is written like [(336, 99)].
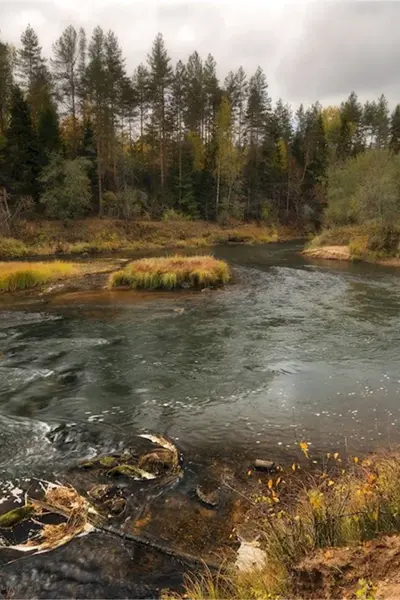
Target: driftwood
[(153, 543)]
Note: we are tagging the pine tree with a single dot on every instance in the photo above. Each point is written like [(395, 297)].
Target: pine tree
[(195, 95), (96, 89), (257, 112), (177, 109), (66, 76), (141, 86), (160, 82), (382, 123), (212, 96)]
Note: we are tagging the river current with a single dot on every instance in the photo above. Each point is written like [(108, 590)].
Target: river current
[(293, 350)]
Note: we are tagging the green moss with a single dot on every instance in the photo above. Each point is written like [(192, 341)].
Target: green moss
[(126, 471), (15, 516)]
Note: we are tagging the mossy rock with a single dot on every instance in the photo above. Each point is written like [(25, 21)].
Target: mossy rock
[(159, 461), (15, 516), (125, 470), (105, 462)]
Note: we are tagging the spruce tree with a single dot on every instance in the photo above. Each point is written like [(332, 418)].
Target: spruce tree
[(6, 83), (21, 151), (29, 59)]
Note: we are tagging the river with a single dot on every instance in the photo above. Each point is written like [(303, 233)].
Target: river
[(295, 350)]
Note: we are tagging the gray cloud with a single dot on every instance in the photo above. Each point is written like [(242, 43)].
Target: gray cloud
[(308, 50), (344, 46)]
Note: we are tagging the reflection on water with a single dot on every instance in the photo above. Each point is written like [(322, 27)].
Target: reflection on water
[(293, 351)]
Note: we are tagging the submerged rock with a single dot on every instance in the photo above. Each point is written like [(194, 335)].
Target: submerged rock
[(209, 498)]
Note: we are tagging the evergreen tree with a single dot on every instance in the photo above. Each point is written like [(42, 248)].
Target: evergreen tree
[(195, 95), (65, 65), (6, 83), (21, 151), (160, 80), (29, 59), (394, 143)]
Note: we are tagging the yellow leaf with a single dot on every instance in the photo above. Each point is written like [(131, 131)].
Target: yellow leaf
[(278, 481), (355, 459), (304, 448), (293, 466), (330, 482), (270, 484), (328, 455), (336, 455)]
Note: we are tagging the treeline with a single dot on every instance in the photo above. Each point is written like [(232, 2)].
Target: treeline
[(80, 135)]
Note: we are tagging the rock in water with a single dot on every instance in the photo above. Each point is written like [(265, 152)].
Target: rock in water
[(265, 465), (208, 498)]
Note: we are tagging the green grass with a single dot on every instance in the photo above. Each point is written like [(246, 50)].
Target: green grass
[(24, 275), (172, 272), (12, 248)]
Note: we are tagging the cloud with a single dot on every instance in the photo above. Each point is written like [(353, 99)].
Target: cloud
[(308, 50), (340, 47)]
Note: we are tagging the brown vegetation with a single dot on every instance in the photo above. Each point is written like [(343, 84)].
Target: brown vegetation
[(172, 272), (43, 238)]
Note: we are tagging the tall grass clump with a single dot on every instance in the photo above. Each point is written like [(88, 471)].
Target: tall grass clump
[(23, 275), (298, 512), (172, 272)]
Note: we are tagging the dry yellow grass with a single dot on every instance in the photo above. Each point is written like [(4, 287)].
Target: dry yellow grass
[(333, 507), (23, 275), (172, 272)]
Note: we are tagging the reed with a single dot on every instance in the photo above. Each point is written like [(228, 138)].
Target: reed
[(172, 272)]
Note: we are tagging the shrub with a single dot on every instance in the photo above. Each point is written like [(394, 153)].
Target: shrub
[(172, 272), (175, 215), (67, 187), (11, 248), (364, 188)]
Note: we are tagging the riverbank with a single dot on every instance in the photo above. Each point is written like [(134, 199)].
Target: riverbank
[(95, 235), (373, 243), (316, 533)]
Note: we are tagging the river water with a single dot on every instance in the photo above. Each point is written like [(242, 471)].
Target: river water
[(294, 350)]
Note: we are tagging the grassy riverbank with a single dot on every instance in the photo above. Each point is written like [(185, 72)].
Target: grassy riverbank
[(371, 242), (172, 272), (16, 276), (316, 529), (94, 235)]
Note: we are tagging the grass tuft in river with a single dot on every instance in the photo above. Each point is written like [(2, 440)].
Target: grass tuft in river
[(23, 275), (172, 272)]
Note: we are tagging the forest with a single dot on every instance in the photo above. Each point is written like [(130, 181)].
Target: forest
[(79, 136)]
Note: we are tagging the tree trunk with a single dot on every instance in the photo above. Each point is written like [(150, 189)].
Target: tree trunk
[(218, 187)]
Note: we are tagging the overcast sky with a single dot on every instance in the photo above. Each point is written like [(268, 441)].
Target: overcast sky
[(308, 50)]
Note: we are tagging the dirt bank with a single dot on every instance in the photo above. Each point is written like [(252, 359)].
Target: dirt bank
[(329, 253), (369, 570), (34, 238), (344, 253)]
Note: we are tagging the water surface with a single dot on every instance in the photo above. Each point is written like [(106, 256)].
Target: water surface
[(294, 350)]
